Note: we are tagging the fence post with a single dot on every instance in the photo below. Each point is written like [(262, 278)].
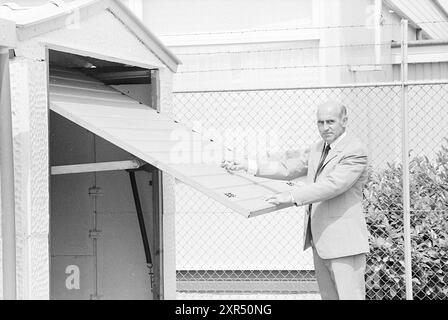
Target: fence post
[(405, 160)]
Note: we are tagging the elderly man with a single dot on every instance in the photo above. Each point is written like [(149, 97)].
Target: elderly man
[(335, 229)]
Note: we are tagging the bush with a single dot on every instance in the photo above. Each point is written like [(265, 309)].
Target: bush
[(429, 229)]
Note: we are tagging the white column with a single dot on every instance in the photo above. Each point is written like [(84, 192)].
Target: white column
[(7, 198), (31, 170), (8, 235), (168, 190)]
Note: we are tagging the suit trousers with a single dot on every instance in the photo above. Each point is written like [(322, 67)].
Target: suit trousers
[(341, 278)]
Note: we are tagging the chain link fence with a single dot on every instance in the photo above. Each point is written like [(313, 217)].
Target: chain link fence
[(222, 253)]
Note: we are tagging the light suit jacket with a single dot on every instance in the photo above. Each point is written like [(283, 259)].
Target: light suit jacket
[(338, 225)]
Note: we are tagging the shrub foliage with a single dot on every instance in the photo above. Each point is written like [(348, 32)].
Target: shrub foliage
[(385, 277)]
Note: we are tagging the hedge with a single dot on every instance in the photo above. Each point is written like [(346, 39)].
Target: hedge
[(429, 228)]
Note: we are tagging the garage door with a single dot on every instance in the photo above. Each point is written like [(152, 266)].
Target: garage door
[(160, 141)]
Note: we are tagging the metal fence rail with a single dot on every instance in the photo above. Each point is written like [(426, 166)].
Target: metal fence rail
[(220, 252)]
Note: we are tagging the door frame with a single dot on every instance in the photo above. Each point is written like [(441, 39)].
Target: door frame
[(157, 182)]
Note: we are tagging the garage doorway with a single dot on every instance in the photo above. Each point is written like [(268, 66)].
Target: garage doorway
[(97, 242)]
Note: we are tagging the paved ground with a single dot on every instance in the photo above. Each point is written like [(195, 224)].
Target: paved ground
[(227, 296)]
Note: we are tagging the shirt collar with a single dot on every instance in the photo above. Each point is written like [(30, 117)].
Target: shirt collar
[(335, 142)]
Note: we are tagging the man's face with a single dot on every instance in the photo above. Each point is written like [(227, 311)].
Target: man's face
[(330, 123)]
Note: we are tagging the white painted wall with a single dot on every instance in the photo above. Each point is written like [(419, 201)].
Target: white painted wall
[(229, 26), (217, 15), (210, 26), (267, 68)]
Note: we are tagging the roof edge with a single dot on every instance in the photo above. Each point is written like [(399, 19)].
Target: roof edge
[(50, 11), (421, 43), (85, 8), (400, 13), (146, 33), (64, 16)]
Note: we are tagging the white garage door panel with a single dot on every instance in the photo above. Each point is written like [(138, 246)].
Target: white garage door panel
[(245, 192), (105, 112), (100, 102), (175, 147), (99, 110), (111, 119), (160, 141), (199, 171), (173, 158), (88, 93), (224, 180), (134, 123), (62, 82), (148, 134), (258, 206), (72, 76)]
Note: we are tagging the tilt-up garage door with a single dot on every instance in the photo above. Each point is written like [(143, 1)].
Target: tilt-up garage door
[(160, 141)]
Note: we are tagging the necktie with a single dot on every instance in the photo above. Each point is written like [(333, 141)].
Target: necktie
[(322, 160), (319, 169)]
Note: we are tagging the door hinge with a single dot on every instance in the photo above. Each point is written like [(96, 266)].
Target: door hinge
[(95, 191), (94, 234)]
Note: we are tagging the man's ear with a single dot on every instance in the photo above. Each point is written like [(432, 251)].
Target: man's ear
[(344, 121)]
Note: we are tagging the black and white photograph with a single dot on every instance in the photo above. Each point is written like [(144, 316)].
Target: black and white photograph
[(236, 152)]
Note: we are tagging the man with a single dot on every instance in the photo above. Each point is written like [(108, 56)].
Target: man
[(336, 230)]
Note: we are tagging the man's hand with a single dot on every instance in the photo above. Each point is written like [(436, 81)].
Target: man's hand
[(234, 165), (280, 198)]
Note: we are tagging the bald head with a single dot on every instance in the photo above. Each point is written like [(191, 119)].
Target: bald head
[(333, 107), (331, 120)]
